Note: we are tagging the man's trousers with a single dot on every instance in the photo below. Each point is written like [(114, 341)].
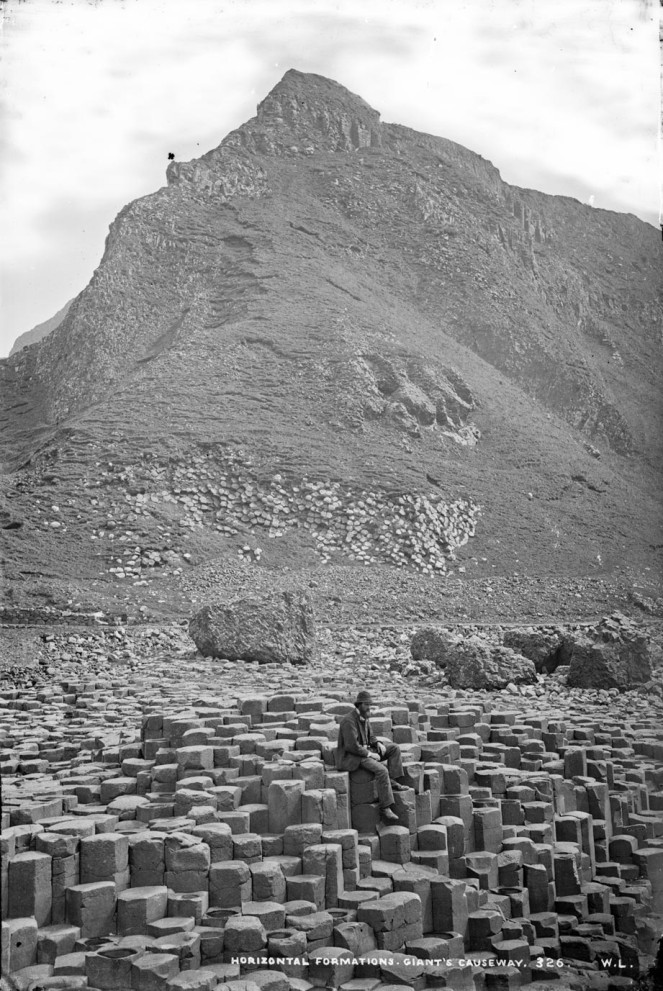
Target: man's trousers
[(384, 775)]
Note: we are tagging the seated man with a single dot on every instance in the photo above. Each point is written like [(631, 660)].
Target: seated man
[(357, 747)]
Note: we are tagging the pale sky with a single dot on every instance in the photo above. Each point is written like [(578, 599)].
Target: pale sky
[(561, 96)]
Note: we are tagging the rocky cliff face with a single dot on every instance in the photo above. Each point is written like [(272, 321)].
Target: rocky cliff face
[(332, 296), (40, 330)]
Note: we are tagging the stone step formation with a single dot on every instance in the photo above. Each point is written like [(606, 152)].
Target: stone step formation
[(181, 833)]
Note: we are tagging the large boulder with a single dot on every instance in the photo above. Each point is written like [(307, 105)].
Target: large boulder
[(613, 654), (430, 644), (277, 628), (541, 645), (473, 662), (477, 664)]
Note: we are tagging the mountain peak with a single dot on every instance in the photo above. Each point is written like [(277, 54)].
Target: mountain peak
[(307, 112), (303, 114), (376, 322), (309, 88)]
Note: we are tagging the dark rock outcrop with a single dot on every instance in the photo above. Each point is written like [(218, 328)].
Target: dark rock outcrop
[(272, 629), (613, 654)]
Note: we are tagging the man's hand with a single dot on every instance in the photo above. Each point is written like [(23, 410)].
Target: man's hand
[(381, 749)]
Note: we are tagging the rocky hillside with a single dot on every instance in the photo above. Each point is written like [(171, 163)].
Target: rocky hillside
[(332, 340), (40, 330)]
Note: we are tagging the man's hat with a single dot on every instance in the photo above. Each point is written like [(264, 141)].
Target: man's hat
[(363, 697)]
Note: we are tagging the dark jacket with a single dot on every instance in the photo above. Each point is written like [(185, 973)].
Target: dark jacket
[(355, 741)]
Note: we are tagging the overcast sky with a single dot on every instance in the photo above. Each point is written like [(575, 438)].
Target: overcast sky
[(561, 96)]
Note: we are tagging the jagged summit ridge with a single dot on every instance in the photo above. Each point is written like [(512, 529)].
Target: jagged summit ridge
[(303, 114)]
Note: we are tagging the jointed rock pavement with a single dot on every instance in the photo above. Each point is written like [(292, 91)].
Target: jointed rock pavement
[(174, 821)]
